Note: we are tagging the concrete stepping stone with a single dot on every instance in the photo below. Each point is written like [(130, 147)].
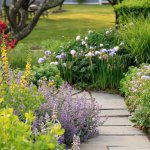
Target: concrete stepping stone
[(109, 101), (124, 141), (118, 121), (119, 130), (130, 148), (86, 146), (115, 113)]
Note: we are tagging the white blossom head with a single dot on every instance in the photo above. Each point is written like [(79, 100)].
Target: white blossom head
[(101, 45), (97, 53), (54, 63), (86, 38), (47, 53), (73, 52), (78, 38), (83, 42)]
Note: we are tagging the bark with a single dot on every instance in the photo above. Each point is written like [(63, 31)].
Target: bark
[(17, 15), (60, 6), (113, 3)]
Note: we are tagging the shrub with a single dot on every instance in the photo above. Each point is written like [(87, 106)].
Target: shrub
[(136, 86), (47, 71), (78, 115), (17, 135), (136, 37), (95, 61), (134, 8), (17, 97), (17, 57), (18, 93), (81, 1)]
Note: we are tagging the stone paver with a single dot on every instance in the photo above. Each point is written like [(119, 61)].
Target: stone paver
[(113, 113), (109, 101), (118, 121), (129, 148), (118, 132)]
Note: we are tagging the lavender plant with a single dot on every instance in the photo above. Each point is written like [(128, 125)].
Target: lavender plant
[(78, 115)]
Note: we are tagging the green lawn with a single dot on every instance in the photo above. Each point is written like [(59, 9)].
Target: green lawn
[(78, 19)]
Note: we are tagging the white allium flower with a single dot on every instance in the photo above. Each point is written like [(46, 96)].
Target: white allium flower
[(104, 50), (47, 52), (91, 47), (41, 60), (97, 52), (83, 42), (115, 49), (73, 52), (86, 38), (90, 31), (101, 45), (78, 38), (107, 32), (89, 54), (54, 63)]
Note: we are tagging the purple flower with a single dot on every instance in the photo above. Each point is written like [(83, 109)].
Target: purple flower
[(41, 60), (77, 115), (58, 57)]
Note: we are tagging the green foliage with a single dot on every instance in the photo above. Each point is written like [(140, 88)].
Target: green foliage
[(134, 8), (17, 135), (47, 72), (22, 99), (136, 86), (99, 71), (136, 36), (17, 57), (81, 1)]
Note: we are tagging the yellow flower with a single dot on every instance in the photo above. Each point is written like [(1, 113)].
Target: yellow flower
[(5, 64), (1, 100), (25, 77)]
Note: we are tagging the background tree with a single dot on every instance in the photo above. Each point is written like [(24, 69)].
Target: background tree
[(17, 12), (113, 3), (60, 6)]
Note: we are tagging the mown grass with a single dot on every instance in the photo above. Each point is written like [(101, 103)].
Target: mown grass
[(77, 19)]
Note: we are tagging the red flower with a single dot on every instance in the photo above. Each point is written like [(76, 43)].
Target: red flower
[(10, 42)]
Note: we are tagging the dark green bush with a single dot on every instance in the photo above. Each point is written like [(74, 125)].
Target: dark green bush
[(134, 8), (81, 1)]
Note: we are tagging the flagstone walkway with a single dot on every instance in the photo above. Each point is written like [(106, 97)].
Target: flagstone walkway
[(118, 132)]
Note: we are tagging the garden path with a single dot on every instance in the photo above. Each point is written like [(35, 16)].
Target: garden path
[(118, 132)]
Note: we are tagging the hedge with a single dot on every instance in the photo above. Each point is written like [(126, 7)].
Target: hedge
[(133, 8)]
